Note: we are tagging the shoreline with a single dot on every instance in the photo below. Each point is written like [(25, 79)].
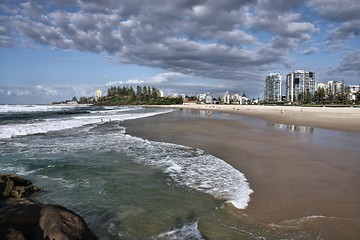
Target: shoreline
[(334, 118), (296, 178)]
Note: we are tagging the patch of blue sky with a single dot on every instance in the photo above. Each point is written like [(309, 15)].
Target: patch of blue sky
[(55, 67)]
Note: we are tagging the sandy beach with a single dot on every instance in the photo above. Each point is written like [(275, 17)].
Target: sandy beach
[(302, 177), (337, 118)]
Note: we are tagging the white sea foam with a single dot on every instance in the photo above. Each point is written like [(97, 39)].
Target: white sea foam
[(194, 169), (56, 124), (188, 231), (30, 108), (20, 170), (115, 110), (64, 182)]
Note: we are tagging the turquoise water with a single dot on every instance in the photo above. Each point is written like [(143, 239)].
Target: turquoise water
[(124, 187)]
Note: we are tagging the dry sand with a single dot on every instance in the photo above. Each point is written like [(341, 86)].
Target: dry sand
[(337, 118), (294, 175)]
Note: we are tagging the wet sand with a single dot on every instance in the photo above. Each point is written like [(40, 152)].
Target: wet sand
[(295, 175)]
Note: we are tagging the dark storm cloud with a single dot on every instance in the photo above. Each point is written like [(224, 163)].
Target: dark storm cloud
[(208, 38)]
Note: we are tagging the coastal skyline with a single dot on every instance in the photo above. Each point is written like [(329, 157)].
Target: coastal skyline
[(53, 50)]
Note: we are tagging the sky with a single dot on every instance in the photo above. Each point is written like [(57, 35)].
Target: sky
[(56, 49)]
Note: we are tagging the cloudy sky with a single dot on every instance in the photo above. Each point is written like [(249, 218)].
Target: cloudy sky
[(55, 49)]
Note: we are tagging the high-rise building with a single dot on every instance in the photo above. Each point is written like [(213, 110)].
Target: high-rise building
[(98, 94), (299, 82), (272, 91)]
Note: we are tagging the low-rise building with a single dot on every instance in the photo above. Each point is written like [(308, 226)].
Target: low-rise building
[(208, 99), (238, 99), (353, 90), (225, 98)]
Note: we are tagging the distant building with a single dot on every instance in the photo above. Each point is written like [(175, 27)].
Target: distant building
[(335, 87), (332, 87), (299, 82), (208, 99), (353, 90), (98, 94), (201, 97), (321, 86), (272, 90), (225, 98), (238, 99)]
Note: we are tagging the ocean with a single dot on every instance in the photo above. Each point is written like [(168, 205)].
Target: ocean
[(126, 187), (123, 186)]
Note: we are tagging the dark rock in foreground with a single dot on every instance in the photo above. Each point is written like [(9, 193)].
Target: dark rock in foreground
[(23, 219)]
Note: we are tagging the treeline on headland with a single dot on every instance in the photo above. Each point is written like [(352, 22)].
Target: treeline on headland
[(141, 96)]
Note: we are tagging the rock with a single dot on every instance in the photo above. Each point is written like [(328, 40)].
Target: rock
[(15, 186), (21, 191), (24, 219), (14, 235), (60, 223)]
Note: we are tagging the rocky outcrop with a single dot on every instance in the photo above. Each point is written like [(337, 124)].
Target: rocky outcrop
[(23, 219), (13, 186)]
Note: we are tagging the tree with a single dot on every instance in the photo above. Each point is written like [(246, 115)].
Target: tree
[(143, 95), (154, 93), (341, 96), (131, 94), (139, 94), (357, 97), (319, 95)]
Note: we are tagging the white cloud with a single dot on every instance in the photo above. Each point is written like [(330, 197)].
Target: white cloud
[(165, 77), (17, 92), (336, 10), (134, 81), (47, 90)]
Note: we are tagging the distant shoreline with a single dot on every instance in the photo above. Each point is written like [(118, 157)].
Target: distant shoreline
[(334, 118)]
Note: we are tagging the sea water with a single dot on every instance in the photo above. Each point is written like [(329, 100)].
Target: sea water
[(123, 186), (126, 187)]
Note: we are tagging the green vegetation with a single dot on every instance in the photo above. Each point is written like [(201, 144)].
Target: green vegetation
[(82, 100), (325, 97), (142, 96)]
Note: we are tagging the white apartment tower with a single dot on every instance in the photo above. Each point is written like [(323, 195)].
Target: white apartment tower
[(98, 94), (299, 82), (273, 90)]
